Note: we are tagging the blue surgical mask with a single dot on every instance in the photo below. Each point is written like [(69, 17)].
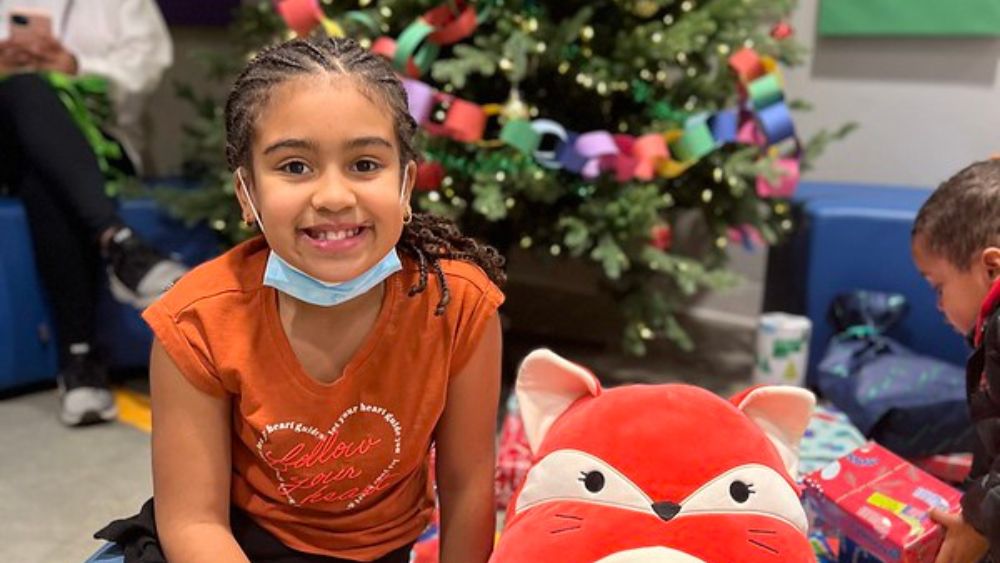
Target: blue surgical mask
[(286, 278)]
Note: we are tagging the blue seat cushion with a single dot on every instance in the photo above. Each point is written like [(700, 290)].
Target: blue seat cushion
[(857, 237)]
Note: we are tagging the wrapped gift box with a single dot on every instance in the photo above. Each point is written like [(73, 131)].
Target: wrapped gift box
[(951, 468), (513, 455), (881, 502)]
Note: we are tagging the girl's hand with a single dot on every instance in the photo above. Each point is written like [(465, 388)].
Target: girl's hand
[(962, 543)]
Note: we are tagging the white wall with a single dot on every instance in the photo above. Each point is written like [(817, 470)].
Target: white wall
[(926, 106), (167, 114)]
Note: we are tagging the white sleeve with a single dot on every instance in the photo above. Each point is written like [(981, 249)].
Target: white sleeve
[(136, 52)]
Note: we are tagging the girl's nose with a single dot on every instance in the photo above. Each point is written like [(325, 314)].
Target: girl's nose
[(333, 193)]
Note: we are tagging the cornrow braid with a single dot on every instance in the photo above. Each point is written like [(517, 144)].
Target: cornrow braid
[(277, 64), (428, 239)]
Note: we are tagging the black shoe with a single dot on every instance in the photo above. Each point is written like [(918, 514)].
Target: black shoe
[(85, 393), (137, 272)]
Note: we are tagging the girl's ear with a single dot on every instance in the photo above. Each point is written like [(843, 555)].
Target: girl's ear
[(990, 259), (409, 181), (242, 188)]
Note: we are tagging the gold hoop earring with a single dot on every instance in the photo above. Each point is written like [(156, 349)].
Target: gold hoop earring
[(407, 215)]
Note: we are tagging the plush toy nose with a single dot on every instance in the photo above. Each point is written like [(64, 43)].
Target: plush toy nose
[(666, 510)]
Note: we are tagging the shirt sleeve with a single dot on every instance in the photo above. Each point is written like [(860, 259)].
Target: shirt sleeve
[(186, 344), (135, 58), (981, 507), (981, 501), (480, 300)]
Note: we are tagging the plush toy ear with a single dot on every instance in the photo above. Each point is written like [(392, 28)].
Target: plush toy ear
[(783, 413), (547, 385)]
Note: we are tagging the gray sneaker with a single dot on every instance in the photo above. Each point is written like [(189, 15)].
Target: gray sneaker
[(139, 274), (83, 406), (85, 395)]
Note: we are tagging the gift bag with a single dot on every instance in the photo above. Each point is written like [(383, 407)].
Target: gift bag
[(829, 436), (513, 454), (912, 404)]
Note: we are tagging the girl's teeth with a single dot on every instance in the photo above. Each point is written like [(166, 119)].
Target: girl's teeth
[(336, 235)]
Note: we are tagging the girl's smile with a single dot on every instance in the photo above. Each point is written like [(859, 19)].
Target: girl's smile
[(335, 238)]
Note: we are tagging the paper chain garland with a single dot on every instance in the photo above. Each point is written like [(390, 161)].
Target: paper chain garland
[(762, 117)]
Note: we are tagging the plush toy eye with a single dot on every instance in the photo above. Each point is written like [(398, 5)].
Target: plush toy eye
[(741, 491), (593, 480), (752, 488), (574, 476)]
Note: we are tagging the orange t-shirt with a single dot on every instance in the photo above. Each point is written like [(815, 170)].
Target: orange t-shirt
[(339, 469)]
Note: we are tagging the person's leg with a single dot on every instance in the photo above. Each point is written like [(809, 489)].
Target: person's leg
[(38, 134), (69, 265), (47, 140)]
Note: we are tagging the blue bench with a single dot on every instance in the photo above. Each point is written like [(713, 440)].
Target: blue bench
[(856, 237), (28, 351)]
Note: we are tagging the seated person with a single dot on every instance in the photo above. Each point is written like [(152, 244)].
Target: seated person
[(47, 162)]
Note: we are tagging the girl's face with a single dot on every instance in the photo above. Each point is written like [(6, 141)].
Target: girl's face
[(960, 293), (326, 177)]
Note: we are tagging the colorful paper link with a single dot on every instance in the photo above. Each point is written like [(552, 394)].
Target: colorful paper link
[(416, 48), (762, 119)]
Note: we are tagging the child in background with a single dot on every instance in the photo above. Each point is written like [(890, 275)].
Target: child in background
[(300, 381), (956, 247)]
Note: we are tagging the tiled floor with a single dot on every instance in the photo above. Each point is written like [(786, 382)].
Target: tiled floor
[(59, 485)]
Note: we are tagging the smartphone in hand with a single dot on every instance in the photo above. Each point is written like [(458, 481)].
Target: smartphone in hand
[(29, 23)]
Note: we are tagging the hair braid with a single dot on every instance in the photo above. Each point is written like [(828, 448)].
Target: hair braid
[(429, 239)]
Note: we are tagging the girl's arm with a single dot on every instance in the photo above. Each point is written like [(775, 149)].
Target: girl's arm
[(466, 453), (191, 468)]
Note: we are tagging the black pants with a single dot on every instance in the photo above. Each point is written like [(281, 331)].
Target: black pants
[(263, 547), (140, 543), (47, 163)]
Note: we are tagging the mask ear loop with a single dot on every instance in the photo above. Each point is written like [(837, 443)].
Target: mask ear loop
[(246, 192)]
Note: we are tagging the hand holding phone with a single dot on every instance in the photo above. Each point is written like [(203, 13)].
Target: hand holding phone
[(29, 24), (31, 33)]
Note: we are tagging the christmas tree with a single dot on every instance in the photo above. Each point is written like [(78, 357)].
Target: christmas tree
[(578, 129)]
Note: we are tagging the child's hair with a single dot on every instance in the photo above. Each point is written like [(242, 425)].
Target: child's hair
[(427, 238), (962, 217)]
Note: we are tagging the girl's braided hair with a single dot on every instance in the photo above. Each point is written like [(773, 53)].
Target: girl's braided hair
[(427, 239)]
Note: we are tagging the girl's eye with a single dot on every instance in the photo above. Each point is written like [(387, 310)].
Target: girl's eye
[(295, 167), (366, 166)]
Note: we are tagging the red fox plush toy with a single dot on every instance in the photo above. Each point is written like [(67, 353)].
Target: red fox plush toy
[(655, 473)]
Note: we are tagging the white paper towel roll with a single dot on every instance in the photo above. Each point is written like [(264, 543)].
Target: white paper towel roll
[(782, 349)]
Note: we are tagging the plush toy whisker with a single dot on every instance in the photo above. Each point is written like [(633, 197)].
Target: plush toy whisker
[(570, 529), (568, 517), (763, 546)]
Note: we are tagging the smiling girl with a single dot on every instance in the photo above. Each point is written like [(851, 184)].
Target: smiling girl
[(300, 381)]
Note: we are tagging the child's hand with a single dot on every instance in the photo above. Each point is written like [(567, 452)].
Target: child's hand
[(962, 543)]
